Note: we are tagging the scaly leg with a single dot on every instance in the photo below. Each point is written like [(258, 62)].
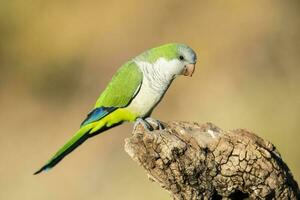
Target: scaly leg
[(155, 123), (144, 123)]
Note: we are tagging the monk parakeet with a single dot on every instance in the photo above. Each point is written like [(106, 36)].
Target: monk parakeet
[(132, 94)]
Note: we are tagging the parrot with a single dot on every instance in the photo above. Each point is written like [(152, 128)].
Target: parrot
[(133, 92)]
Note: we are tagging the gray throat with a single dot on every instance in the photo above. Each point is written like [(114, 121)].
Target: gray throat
[(156, 79)]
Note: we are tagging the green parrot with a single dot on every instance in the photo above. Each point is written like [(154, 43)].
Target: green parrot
[(132, 94)]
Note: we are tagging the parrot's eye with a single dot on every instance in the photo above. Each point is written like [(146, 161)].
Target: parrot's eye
[(181, 57)]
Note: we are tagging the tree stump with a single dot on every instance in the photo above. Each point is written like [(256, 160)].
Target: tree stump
[(201, 161)]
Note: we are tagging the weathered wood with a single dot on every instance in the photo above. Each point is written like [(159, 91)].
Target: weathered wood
[(201, 161)]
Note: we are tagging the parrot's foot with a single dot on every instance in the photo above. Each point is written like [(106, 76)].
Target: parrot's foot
[(144, 123), (155, 123)]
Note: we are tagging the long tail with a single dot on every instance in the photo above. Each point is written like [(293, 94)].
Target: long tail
[(79, 137), (91, 126)]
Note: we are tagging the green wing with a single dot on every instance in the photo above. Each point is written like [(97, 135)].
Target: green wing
[(120, 91), (122, 88)]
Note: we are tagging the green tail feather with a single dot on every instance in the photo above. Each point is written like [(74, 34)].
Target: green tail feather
[(81, 136)]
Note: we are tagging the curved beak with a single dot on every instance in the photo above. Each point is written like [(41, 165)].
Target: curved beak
[(189, 70)]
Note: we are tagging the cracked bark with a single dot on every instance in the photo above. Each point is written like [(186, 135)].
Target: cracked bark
[(201, 161)]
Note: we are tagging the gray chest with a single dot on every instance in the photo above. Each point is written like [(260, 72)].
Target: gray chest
[(147, 98)]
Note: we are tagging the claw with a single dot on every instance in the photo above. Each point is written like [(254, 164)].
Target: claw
[(155, 123), (144, 123)]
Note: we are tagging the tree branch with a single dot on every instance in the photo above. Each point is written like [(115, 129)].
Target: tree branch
[(201, 161)]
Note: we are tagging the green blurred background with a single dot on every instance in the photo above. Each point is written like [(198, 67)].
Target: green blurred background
[(57, 56)]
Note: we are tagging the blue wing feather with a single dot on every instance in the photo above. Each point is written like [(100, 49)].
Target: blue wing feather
[(97, 114)]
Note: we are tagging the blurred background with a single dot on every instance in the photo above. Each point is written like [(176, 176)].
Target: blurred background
[(57, 56)]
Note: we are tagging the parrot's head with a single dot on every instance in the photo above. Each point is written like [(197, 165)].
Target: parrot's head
[(186, 59), (173, 59)]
